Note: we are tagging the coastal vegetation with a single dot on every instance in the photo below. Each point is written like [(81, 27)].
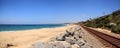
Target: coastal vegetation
[(110, 22)]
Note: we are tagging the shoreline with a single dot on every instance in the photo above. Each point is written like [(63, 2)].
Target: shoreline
[(24, 38), (32, 29)]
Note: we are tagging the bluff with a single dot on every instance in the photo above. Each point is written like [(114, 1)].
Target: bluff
[(110, 22)]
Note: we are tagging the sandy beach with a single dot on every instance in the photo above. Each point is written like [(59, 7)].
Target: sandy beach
[(25, 38)]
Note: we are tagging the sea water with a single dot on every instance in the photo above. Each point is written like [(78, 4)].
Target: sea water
[(15, 27)]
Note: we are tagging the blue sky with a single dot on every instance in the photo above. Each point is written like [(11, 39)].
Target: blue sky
[(53, 11)]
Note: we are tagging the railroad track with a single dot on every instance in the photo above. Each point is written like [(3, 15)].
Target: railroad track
[(107, 40)]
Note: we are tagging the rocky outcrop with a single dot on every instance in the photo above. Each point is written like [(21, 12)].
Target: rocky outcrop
[(72, 38)]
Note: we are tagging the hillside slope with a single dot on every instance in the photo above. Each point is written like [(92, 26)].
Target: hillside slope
[(110, 22)]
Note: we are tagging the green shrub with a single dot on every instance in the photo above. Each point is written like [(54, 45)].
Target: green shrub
[(116, 29)]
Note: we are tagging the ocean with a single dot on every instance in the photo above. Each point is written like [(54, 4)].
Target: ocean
[(16, 27)]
